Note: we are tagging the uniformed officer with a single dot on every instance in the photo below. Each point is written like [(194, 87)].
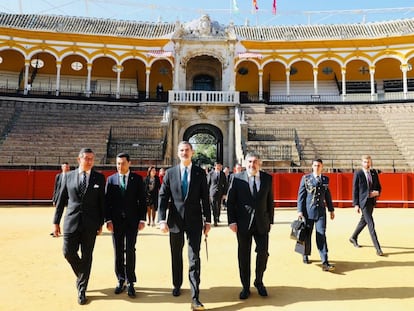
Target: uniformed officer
[(313, 199)]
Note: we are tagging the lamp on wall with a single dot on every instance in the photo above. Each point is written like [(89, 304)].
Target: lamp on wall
[(327, 70), (243, 71), (363, 70)]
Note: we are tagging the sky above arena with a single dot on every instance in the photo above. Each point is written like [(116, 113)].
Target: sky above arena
[(241, 12)]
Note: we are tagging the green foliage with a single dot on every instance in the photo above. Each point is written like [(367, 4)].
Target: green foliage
[(205, 149)]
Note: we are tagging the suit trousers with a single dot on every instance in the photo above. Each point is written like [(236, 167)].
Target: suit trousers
[(81, 265), (215, 203), (176, 247), (124, 239), (367, 219), (322, 245), (244, 256)]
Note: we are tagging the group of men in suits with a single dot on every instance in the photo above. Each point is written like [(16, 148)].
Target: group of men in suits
[(120, 202), (185, 213)]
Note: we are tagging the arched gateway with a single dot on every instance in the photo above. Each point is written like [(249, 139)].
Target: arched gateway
[(207, 129)]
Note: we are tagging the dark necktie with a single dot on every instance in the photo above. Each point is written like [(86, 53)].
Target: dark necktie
[(369, 178), (184, 183), (123, 185), (318, 179), (254, 187), (82, 186)]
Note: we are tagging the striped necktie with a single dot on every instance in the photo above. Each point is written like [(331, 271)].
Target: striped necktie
[(82, 186)]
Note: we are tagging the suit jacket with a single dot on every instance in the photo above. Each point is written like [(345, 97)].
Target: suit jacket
[(57, 187), (360, 191), (240, 203), (187, 213), (217, 186), (130, 206), (314, 197), (87, 210)]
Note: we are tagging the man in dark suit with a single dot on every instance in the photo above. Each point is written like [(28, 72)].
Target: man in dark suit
[(366, 189), (314, 197), (125, 215), (59, 181), (186, 185), (84, 193), (217, 186), (250, 214)]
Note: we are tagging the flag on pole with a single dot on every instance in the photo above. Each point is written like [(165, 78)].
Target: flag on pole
[(255, 5), (274, 7), (235, 6)]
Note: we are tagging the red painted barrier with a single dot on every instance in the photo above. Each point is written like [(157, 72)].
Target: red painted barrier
[(397, 188)]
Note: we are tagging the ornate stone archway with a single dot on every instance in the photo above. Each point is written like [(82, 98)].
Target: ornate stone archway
[(212, 130)]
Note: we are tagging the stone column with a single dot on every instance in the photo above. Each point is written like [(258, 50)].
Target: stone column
[(58, 67)]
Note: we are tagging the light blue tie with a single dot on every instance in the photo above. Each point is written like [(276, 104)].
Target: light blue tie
[(184, 183)]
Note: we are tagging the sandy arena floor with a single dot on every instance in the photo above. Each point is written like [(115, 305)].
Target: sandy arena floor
[(35, 276)]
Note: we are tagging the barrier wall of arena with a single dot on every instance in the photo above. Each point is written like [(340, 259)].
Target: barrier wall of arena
[(32, 186)]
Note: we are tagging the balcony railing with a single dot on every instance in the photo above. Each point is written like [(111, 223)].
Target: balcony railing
[(203, 97)]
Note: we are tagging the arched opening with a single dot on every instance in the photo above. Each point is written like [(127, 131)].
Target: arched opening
[(203, 83), (209, 136), (204, 73)]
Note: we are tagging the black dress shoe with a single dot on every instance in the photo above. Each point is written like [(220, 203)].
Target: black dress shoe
[(131, 290), (176, 292), (328, 267), (82, 297), (196, 305), (120, 287), (354, 242), (261, 289), (245, 293), (306, 259)]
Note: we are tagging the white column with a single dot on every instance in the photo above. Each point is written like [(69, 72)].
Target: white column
[(315, 80), (343, 73), (88, 79), (231, 69), (288, 81), (58, 67), (118, 81), (230, 139), (176, 125), (177, 64), (404, 69), (26, 75), (147, 77), (260, 85), (372, 80)]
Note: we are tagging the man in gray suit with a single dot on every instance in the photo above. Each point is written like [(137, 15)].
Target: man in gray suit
[(314, 197), (185, 185), (366, 189), (250, 214), (84, 193)]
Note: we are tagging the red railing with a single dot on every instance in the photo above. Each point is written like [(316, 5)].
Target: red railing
[(36, 186)]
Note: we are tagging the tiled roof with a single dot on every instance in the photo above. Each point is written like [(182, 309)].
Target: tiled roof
[(86, 25), (323, 32), (137, 29)]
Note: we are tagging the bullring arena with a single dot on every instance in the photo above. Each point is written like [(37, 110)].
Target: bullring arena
[(290, 93)]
